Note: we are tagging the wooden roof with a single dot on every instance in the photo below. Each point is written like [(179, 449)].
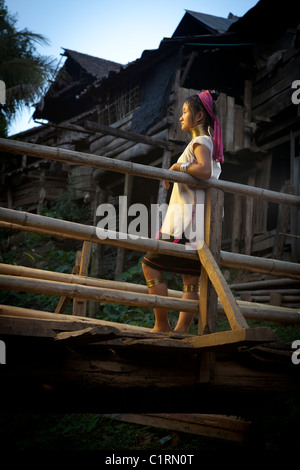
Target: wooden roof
[(201, 23), (98, 68), (77, 74)]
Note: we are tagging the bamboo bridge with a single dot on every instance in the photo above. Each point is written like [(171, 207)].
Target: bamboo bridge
[(80, 363)]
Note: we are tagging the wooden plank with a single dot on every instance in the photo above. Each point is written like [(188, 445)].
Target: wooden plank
[(233, 313), (63, 322), (88, 335), (164, 344), (232, 337), (214, 426)]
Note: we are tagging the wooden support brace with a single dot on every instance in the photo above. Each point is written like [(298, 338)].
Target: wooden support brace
[(79, 305), (207, 322), (232, 311), (63, 301)]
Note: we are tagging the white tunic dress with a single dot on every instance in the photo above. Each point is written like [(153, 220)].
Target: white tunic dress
[(185, 214)]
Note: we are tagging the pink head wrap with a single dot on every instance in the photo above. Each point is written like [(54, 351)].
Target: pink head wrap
[(207, 102)]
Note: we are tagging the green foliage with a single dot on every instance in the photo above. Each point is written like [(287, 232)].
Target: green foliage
[(36, 251), (67, 207), (24, 72)]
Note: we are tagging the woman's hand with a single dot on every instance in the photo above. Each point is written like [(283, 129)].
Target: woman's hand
[(175, 167)]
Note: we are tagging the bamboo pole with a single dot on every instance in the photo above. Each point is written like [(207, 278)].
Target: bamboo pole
[(267, 283), (23, 271), (250, 310), (97, 294), (94, 234), (95, 161), (261, 312), (46, 225), (255, 264)]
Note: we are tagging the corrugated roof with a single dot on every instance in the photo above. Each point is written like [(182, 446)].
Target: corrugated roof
[(98, 68), (217, 23)]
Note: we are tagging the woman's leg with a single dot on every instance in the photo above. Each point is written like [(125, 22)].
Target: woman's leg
[(157, 286), (190, 291)]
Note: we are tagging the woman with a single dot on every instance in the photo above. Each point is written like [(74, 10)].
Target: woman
[(184, 220)]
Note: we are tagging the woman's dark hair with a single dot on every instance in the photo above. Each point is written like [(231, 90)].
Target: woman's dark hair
[(195, 105)]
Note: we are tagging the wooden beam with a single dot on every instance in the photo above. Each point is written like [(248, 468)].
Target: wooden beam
[(187, 69), (144, 139), (233, 313), (213, 426), (77, 330)]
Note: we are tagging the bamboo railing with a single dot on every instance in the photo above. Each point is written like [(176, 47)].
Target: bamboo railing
[(82, 287)]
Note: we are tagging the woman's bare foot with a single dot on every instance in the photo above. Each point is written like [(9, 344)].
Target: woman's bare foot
[(162, 327)]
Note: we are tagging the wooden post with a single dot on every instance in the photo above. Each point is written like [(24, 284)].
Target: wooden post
[(229, 136), (249, 219), (162, 191), (233, 313), (283, 222), (212, 236), (97, 250), (236, 223), (79, 305), (128, 182), (247, 113), (208, 299), (63, 301), (295, 213)]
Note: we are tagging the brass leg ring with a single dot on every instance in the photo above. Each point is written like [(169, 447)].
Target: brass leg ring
[(154, 282), (191, 288)]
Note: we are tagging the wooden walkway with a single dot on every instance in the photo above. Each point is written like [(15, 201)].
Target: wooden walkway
[(94, 365)]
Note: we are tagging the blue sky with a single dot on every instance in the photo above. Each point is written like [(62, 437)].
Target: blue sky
[(116, 30)]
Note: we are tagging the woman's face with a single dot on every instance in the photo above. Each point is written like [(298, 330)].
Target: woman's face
[(187, 120)]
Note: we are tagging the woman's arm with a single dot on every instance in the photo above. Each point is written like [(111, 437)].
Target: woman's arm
[(201, 169)]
